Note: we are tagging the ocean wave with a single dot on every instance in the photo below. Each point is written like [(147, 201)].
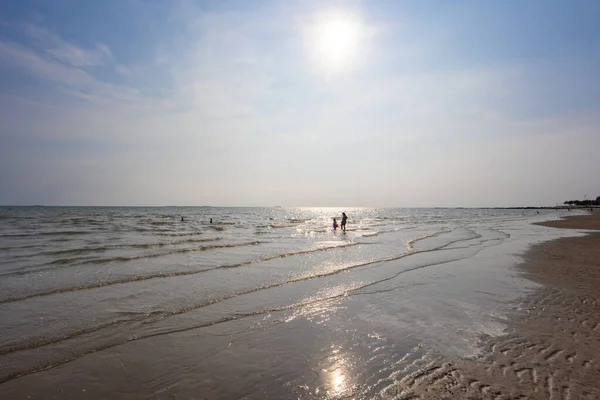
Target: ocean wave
[(167, 274), (282, 225), (52, 233), (84, 250), (411, 242), (263, 259), (161, 223), (177, 233), (27, 246), (163, 244), (166, 253), (82, 221), (157, 316), (370, 234)]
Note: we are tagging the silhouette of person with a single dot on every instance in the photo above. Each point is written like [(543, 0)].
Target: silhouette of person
[(211, 220), (182, 218), (335, 225), (344, 218)]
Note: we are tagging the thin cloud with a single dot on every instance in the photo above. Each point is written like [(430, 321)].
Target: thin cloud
[(69, 53), (74, 80)]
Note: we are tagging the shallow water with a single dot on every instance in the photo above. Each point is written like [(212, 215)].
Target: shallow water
[(262, 303)]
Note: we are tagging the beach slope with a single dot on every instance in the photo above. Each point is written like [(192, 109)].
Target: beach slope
[(553, 350)]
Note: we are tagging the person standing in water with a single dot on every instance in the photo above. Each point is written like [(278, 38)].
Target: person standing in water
[(335, 224), (344, 218)]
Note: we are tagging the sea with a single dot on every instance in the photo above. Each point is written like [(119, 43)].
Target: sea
[(162, 303)]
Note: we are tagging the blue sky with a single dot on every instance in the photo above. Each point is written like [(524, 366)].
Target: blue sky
[(424, 103)]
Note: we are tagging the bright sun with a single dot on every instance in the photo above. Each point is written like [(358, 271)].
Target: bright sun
[(335, 40)]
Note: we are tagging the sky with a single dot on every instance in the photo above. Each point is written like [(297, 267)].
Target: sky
[(299, 103)]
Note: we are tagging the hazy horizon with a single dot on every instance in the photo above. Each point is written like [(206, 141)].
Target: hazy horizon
[(284, 103), (341, 208)]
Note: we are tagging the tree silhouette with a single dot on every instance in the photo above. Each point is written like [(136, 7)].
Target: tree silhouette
[(586, 203)]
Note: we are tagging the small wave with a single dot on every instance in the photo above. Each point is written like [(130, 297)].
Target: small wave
[(161, 223), (308, 251), (62, 261), (53, 233), (282, 225), (370, 234), (177, 233), (410, 243), (61, 233), (137, 246), (217, 228), (81, 221), (150, 318), (27, 246), (163, 244), (166, 253), (169, 274), (82, 250)]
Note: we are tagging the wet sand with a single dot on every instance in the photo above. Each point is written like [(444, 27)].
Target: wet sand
[(553, 348), (590, 221)]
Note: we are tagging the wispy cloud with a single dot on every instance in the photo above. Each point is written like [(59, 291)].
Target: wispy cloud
[(66, 52), (73, 80)]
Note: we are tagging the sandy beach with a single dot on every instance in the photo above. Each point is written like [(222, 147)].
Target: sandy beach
[(553, 348), (591, 221)]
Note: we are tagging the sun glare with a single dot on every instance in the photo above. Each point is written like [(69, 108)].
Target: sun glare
[(335, 40)]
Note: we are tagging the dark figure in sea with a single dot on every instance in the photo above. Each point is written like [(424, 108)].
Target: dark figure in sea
[(211, 220), (344, 218), (181, 218), (335, 224)]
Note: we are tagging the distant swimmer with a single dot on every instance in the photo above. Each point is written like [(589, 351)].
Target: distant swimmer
[(344, 218), (335, 225), (211, 220), (182, 218)]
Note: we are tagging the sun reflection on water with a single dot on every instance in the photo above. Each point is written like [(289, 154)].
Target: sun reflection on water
[(338, 381), (337, 377)]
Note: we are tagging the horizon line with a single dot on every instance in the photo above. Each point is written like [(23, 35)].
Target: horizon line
[(311, 206)]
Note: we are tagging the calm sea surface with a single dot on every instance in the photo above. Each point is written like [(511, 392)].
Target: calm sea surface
[(119, 302)]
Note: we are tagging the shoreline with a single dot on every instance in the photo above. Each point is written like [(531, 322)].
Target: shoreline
[(553, 348), (589, 221)]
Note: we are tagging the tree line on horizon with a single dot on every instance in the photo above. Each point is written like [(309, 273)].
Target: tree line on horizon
[(584, 202)]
